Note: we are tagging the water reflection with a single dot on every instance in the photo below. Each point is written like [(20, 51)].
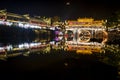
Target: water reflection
[(89, 41), (85, 41), (23, 49)]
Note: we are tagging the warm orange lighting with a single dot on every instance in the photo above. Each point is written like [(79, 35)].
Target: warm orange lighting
[(86, 22), (84, 52)]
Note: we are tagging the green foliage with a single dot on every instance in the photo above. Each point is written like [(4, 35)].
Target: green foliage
[(113, 20), (56, 19)]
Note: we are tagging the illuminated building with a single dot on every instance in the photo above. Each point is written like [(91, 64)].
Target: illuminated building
[(85, 23), (85, 31), (12, 19), (38, 22), (2, 15)]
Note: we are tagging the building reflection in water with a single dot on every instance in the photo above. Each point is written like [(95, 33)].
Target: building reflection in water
[(87, 38), (23, 49), (71, 41)]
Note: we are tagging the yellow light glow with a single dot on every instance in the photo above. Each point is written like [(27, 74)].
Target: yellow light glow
[(86, 22), (84, 51)]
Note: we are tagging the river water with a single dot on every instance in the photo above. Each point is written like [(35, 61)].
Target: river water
[(25, 54)]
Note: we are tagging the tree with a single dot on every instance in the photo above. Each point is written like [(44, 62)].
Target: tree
[(118, 17), (113, 20), (55, 19)]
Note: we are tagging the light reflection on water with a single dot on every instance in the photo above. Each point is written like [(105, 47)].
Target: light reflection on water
[(81, 41)]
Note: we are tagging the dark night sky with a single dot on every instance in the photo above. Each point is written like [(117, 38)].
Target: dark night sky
[(77, 8)]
